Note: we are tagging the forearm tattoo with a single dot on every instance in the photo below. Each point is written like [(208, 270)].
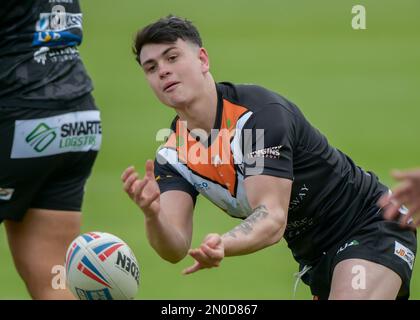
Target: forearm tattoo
[(247, 225)]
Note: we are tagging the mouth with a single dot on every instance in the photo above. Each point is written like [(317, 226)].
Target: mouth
[(169, 86)]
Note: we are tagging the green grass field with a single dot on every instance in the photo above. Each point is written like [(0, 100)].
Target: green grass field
[(361, 88)]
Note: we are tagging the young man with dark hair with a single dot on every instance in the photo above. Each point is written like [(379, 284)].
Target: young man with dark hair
[(254, 155)]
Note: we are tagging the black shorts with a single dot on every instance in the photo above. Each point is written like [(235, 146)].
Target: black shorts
[(378, 240), (46, 156)]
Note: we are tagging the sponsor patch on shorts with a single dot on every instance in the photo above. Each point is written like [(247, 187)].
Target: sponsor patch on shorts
[(348, 244), (404, 253), (71, 132)]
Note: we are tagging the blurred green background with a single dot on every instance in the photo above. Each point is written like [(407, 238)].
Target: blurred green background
[(361, 88)]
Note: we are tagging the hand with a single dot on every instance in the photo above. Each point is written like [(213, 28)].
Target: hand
[(144, 192), (208, 255), (406, 193)]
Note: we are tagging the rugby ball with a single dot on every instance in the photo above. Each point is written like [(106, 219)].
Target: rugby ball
[(100, 266)]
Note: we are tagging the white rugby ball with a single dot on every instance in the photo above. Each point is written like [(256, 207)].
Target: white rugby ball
[(100, 266)]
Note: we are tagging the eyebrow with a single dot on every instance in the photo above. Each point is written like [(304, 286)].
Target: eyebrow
[(162, 54)]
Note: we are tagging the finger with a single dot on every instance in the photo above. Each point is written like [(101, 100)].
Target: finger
[(195, 267), (147, 202), (402, 189), (416, 223), (414, 212), (129, 182), (391, 211), (404, 219), (384, 200), (200, 256), (150, 169), (405, 199), (415, 209), (127, 172), (137, 189), (212, 253), (406, 174), (213, 240)]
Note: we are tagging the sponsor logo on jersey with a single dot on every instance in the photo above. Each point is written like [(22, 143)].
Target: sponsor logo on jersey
[(298, 199), (56, 28), (296, 227), (70, 132), (404, 253), (270, 152), (58, 55), (201, 186), (59, 30)]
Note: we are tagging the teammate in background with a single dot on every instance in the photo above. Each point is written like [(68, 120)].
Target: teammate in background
[(254, 155), (406, 193), (50, 134)]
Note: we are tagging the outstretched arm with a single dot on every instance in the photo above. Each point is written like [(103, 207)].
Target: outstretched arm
[(168, 216), (265, 226)]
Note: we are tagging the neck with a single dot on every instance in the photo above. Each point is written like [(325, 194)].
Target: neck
[(201, 113)]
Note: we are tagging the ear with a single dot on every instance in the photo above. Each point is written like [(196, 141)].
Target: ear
[(204, 58)]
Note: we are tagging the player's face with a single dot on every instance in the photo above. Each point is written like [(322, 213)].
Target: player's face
[(175, 71)]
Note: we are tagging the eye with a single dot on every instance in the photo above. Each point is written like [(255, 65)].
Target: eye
[(172, 58), (152, 68)]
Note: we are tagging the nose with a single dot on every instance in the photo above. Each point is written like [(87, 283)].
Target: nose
[(164, 71)]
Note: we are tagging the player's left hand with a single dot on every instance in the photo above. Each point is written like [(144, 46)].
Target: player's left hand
[(406, 193), (209, 255)]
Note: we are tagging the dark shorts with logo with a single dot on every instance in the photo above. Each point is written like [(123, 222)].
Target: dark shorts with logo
[(45, 164), (381, 241)]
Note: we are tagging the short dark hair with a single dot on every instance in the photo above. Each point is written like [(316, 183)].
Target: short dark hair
[(166, 30)]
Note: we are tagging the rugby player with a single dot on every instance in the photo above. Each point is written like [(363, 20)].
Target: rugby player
[(50, 135), (254, 155)]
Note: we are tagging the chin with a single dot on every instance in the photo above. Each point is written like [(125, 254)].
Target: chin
[(178, 102)]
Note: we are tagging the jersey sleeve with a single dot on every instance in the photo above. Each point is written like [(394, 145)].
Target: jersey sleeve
[(267, 142), (169, 179)]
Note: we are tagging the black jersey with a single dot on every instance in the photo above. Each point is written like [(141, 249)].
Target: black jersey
[(261, 132), (40, 65)]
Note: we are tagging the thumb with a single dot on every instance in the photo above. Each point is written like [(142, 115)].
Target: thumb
[(213, 240), (398, 174), (150, 169)]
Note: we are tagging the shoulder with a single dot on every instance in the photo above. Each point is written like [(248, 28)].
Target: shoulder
[(256, 98)]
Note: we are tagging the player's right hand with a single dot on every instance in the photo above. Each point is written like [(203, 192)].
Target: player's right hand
[(209, 255), (144, 192)]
